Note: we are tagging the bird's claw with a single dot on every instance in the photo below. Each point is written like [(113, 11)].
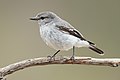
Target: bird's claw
[(51, 58), (72, 58)]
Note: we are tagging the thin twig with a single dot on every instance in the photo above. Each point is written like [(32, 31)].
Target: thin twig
[(113, 62)]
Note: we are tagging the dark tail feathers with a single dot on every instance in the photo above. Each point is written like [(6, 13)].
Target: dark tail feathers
[(94, 48)]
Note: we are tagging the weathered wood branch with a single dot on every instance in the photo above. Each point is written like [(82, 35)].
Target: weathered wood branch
[(113, 62)]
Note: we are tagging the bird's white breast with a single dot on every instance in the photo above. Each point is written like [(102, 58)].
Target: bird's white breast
[(58, 40)]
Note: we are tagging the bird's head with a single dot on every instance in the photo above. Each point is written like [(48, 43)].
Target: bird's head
[(45, 17)]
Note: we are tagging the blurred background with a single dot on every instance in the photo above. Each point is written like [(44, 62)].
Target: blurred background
[(97, 20)]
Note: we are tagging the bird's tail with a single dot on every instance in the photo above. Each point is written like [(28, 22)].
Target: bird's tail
[(94, 48)]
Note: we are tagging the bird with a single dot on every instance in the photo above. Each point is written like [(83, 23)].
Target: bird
[(60, 35)]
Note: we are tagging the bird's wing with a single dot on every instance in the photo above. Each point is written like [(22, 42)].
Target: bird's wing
[(68, 29)]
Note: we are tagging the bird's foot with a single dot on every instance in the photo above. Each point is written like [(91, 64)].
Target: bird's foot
[(51, 58), (72, 58)]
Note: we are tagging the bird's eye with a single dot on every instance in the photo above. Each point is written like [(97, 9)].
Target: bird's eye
[(42, 18)]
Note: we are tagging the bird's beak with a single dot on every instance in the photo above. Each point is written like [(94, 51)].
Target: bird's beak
[(35, 18)]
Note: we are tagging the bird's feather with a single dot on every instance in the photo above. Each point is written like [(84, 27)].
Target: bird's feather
[(73, 32)]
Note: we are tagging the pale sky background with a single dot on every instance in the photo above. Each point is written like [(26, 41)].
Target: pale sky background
[(97, 20)]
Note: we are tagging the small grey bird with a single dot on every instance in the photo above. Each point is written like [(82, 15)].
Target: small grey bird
[(60, 35)]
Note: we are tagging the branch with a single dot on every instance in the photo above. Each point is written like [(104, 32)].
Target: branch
[(113, 62)]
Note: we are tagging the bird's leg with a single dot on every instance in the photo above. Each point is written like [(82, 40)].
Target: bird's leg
[(73, 54), (53, 56), (55, 53)]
